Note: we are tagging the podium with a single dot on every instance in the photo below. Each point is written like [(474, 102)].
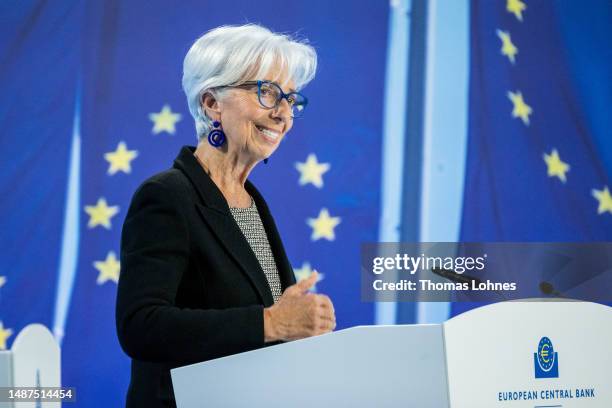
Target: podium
[(33, 361), (517, 354)]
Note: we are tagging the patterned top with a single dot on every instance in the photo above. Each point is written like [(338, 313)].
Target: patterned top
[(253, 230)]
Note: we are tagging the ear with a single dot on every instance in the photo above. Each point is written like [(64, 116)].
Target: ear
[(210, 106)]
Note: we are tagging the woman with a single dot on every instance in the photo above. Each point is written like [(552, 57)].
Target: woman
[(203, 269)]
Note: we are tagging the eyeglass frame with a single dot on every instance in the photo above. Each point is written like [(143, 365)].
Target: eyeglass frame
[(283, 95)]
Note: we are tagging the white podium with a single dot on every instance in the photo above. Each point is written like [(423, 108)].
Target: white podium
[(33, 361), (511, 354)]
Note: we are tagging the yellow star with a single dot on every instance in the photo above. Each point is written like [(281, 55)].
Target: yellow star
[(556, 167), (516, 7), (120, 159), (311, 171), (2, 281), (165, 120), (508, 48), (109, 269), (4, 335), (304, 272), (605, 200), (520, 109), (323, 226), (100, 214)]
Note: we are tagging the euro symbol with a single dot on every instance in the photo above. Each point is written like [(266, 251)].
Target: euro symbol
[(544, 353)]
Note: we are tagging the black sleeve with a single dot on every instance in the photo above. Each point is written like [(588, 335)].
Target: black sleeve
[(154, 256)]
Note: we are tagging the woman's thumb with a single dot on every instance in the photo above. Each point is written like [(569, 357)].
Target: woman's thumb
[(305, 284)]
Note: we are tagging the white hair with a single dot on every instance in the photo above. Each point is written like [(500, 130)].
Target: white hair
[(231, 55)]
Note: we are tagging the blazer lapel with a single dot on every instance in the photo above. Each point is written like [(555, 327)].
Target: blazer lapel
[(230, 236), (215, 212)]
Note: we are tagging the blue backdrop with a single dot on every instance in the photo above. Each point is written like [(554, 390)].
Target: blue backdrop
[(116, 68), (86, 84), (539, 156), (534, 175)]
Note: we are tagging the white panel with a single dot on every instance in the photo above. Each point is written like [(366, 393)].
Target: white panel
[(378, 366), (490, 350), (36, 362), (6, 374)]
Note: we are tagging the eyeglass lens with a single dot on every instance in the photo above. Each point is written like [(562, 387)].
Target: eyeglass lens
[(270, 95)]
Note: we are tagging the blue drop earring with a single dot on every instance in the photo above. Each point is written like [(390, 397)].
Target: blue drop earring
[(266, 160), (216, 137)]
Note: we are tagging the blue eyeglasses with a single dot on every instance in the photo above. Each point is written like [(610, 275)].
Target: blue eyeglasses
[(270, 95)]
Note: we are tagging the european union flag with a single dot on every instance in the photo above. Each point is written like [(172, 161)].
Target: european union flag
[(92, 106), (539, 150), (38, 77), (539, 159)]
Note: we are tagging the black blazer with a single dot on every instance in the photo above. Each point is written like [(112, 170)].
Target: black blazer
[(190, 288)]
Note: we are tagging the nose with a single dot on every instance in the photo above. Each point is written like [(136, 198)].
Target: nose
[(283, 111)]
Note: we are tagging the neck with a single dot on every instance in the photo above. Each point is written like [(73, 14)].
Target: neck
[(229, 171)]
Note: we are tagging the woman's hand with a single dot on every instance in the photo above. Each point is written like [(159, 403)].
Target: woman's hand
[(298, 314)]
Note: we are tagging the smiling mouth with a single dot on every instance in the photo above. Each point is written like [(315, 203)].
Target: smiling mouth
[(268, 134)]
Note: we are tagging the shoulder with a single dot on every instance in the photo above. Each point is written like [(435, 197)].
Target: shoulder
[(170, 183), (168, 189)]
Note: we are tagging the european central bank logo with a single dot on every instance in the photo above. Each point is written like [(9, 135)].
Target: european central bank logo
[(546, 360)]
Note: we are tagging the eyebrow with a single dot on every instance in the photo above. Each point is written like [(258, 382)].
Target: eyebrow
[(291, 90)]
